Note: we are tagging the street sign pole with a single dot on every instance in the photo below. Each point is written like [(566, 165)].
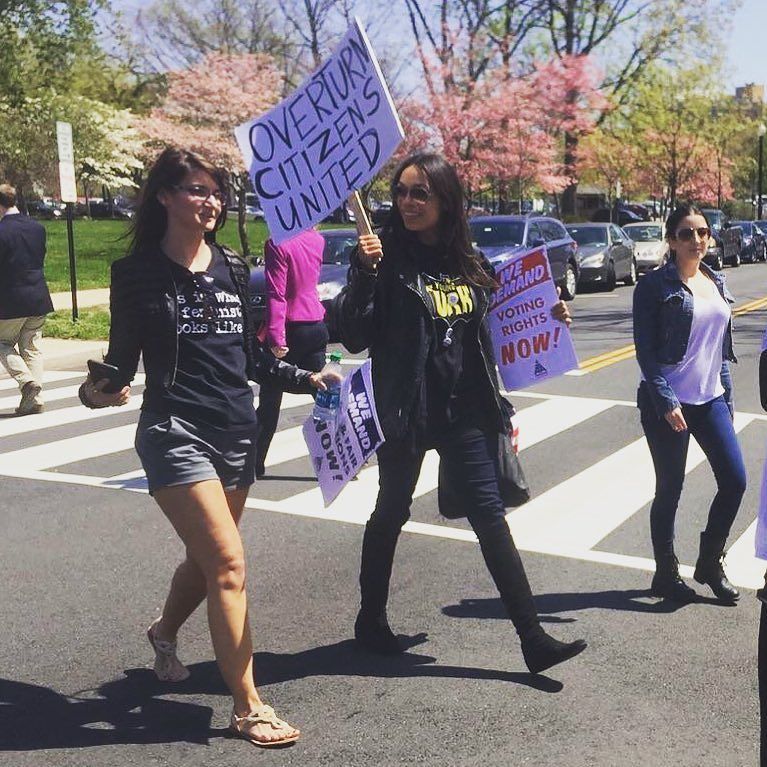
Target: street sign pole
[(69, 196), (72, 262)]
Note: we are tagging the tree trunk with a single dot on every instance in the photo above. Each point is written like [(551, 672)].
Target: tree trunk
[(242, 227), (568, 195)]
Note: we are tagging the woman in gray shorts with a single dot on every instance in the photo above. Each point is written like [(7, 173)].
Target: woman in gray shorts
[(181, 301)]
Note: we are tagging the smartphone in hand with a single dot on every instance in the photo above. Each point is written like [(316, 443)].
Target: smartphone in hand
[(101, 370)]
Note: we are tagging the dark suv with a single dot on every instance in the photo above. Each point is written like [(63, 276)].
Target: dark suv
[(726, 242), (500, 237)]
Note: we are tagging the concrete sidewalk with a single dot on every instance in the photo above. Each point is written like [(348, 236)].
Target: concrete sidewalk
[(95, 297)]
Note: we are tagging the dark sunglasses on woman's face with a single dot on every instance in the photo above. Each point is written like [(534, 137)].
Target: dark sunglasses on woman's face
[(686, 234), (201, 192), (419, 194), (204, 283)]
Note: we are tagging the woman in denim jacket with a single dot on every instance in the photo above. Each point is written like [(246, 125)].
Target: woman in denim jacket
[(683, 339)]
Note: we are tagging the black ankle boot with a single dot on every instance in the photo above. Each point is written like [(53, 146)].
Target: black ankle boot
[(667, 584), (708, 568), (374, 634), (542, 651)]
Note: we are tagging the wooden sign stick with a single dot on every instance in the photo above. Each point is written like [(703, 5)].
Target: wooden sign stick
[(360, 216)]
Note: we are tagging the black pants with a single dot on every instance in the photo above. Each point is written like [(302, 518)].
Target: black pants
[(307, 342), (469, 454)]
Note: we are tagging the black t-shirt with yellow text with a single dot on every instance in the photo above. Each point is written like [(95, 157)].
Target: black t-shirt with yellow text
[(454, 364)]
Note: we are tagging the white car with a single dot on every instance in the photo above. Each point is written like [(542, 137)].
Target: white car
[(650, 246)]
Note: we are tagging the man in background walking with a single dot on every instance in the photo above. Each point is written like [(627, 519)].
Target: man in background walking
[(24, 300)]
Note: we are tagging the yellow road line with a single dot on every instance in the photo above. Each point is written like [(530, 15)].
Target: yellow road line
[(627, 352)]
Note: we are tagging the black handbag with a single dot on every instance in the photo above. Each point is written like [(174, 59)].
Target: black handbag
[(512, 483)]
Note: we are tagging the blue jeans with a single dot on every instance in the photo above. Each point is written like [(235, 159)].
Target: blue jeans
[(711, 425), (469, 455)]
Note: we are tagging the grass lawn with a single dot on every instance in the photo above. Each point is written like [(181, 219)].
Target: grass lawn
[(98, 243), (92, 324)]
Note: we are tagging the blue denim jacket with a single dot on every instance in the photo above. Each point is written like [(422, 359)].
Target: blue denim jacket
[(662, 323)]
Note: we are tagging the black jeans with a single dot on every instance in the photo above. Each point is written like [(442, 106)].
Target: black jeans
[(307, 342), (469, 455), (711, 425)]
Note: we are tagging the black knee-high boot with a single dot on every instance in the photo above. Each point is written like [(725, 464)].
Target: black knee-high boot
[(539, 650), (371, 629)]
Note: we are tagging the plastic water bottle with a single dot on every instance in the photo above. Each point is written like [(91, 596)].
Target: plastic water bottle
[(326, 402)]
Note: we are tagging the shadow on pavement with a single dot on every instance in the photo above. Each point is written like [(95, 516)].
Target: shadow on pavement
[(550, 604), (344, 659), (126, 710), (133, 709)]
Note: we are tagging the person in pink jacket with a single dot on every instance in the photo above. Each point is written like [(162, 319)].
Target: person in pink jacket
[(295, 327)]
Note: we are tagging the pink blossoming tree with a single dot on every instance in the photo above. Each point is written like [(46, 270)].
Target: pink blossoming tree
[(203, 105)]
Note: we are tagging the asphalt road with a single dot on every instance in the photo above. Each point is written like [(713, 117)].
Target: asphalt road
[(85, 558)]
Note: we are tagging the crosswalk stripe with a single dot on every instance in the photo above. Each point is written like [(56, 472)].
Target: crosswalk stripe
[(536, 423), (70, 450), (574, 516), (743, 568), (78, 413), (61, 417), (568, 520), (49, 377)]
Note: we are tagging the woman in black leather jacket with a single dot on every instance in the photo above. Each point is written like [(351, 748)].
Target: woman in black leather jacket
[(182, 302), (421, 312)]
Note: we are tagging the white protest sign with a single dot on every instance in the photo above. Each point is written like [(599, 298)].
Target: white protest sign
[(530, 346), (66, 162), (338, 453), (329, 137)]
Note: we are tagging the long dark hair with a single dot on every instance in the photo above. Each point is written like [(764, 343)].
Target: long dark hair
[(680, 212), (170, 168), (453, 227)]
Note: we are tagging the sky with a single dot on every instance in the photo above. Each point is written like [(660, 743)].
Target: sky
[(746, 55), (745, 46)]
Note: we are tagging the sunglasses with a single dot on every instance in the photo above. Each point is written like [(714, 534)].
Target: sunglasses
[(201, 192), (205, 285), (686, 234), (419, 194)]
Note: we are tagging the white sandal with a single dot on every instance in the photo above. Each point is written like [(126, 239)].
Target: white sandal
[(167, 666), (245, 727)]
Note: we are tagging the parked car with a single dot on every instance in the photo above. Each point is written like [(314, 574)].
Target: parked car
[(753, 242), (43, 209), (341, 215), (605, 255), (500, 237), (650, 245), (380, 214), (99, 208), (620, 216), (339, 244), (253, 211), (725, 238), (762, 225)]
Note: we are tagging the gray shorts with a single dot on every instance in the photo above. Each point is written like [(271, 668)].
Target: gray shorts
[(174, 451)]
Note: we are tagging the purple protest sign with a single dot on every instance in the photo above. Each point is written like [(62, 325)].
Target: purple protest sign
[(530, 346), (328, 138), (338, 451)]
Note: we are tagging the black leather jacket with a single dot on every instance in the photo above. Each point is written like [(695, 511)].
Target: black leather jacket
[(144, 308), (386, 312)]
